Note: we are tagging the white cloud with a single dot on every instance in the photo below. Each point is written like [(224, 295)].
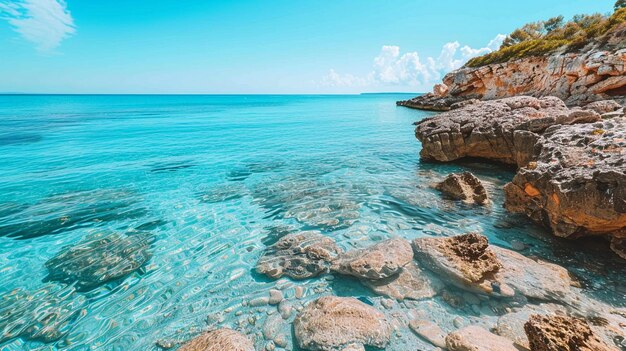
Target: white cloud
[(45, 23), (392, 68)]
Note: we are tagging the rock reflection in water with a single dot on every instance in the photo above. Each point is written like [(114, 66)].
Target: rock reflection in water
[(69, 211), (99, 259), (43, 315)]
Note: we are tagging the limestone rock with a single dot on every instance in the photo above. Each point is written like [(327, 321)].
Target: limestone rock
[(464, 186), (469, 263), (379, 261), (560, 333), (475, 338), (429, 331), (502, 130), (411, 283), (300, 255), (577, 78), (100, 258), (577, 185), (604, 106), (219, 340), (333, 323)]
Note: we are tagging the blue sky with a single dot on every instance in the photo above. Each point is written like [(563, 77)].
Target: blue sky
[(245, 46)]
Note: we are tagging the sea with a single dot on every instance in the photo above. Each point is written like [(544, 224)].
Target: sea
[(134, 222)]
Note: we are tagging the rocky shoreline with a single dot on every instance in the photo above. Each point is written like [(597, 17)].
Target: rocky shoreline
[(576, 78), (571, 162)]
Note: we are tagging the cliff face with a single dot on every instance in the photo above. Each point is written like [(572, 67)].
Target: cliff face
[(576, 78)]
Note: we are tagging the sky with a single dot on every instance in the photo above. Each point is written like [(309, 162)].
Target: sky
[(253, 47)]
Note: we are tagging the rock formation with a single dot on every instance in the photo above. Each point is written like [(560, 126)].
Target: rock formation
[(464, 186), (333, 323), (577, 183), (560, 333), (411, 283), (475, 338), (379, 261), (572, 162), (503, 130), (468, 262), (100, 258), (576, 78), (219, 340), (300, 255)]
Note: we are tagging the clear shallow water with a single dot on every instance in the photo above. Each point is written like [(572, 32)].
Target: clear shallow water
[(187, 191)]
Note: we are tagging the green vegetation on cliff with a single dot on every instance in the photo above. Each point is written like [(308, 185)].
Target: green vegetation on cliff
[(544, 37)]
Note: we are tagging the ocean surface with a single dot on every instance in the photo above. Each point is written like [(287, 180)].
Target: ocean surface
[(127, 221)]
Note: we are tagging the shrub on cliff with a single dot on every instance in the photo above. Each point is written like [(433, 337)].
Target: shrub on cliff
[(544, 37)]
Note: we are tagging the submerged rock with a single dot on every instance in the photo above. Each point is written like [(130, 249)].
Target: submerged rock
[(45, 315), (410, 283), (62, 212), (219, 340), (475, 338), (99, 259), (502, 130), (301, 255), (464, 186), (378, 261), (468, 262), (333, 323), (429, 331), (561, 333), (577, 185)]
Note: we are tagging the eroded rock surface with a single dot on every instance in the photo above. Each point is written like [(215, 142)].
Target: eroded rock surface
[(561, 333), (46, 314), (468, 262), (577, 185), (378, 261), (412, 283), (502, 130), (300, 255), (475, 338), (577, 78), (219, 340), (333, 323), (464, 186), (100, 258)]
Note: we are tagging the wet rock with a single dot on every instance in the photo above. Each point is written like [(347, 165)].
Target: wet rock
[(468, 262), (577, 185), (429, 331), (561, 333), (276, 296), (336, 323), (474, 338), (301, 255), (219, 340), (311, 202), (58, 213), (378, 261), (511, 325), (411, 283), (45, 315), (502, 130), (468, 256), (100, 258), (464, 186)]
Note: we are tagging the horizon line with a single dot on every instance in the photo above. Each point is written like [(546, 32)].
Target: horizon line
[(205, 94)]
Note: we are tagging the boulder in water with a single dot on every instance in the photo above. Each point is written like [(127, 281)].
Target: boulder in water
[(333, 323), (562, 333), (219, 340), (378, 261), (464, 186), (99, 259), (300, 255)]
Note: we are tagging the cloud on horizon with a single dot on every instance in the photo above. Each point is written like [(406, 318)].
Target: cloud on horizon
[(45, 23), (392, 68)]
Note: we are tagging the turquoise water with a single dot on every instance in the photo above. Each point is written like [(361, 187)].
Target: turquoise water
[(168, 202)]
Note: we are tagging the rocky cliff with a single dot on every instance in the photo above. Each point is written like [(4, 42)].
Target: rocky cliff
[(576, 78)]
